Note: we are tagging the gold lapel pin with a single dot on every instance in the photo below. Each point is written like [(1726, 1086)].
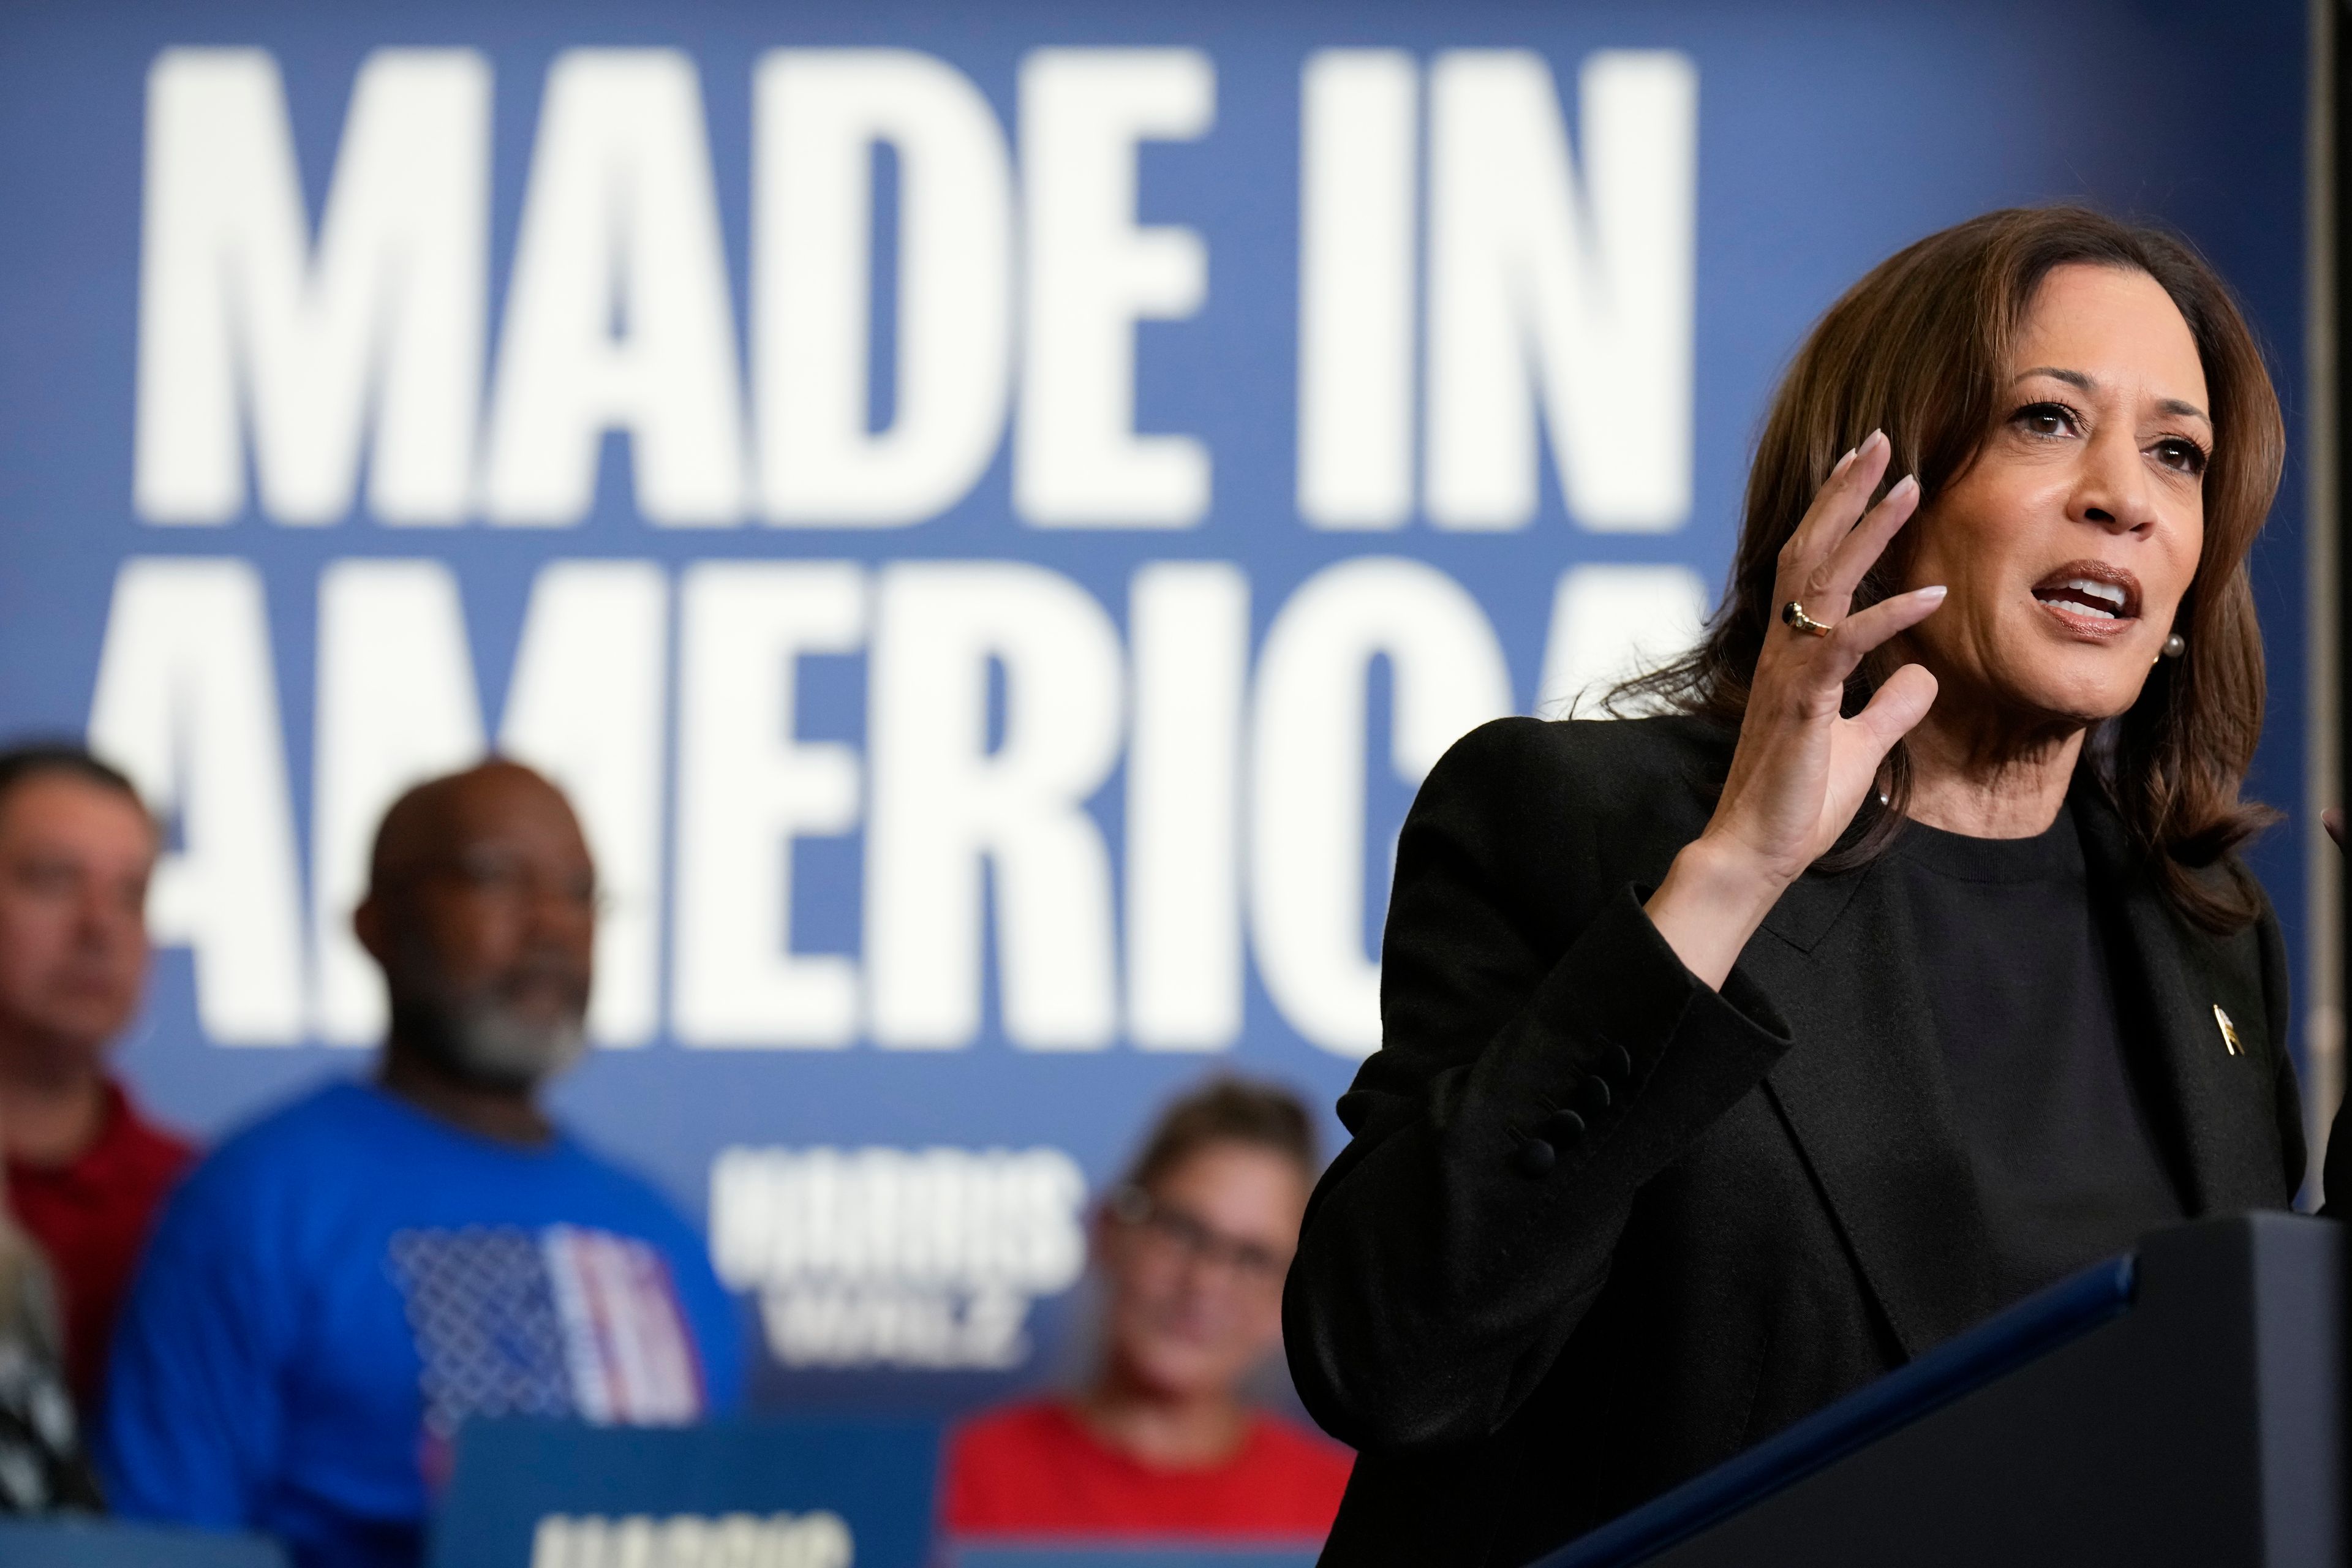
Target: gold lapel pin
[(2228, 1031)]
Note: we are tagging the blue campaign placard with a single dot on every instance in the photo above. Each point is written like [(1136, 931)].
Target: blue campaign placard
[(813, 1494), (100, 1543)]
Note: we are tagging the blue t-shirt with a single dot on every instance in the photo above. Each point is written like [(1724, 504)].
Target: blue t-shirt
[(338, 1287)]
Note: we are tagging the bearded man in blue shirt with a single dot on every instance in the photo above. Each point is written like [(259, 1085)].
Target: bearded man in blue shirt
[(346, 1281)]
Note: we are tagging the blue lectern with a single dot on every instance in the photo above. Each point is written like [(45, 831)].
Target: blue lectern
[(2183, 1405)]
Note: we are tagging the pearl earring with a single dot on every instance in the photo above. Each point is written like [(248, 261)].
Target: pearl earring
[(2175, 646)]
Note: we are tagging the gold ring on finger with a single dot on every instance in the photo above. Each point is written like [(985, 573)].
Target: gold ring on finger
[(1794, 615)]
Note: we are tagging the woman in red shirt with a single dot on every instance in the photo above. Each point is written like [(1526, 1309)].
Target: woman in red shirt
[(1160, 1444)]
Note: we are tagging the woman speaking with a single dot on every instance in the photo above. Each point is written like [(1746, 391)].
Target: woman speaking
[(1737, 1056)]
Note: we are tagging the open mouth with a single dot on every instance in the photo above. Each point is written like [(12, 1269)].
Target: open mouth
[(2091, 597)]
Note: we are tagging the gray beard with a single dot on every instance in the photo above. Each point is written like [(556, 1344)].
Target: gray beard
[(491, 1045)]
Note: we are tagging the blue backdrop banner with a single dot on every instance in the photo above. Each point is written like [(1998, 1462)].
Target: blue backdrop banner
[(989, 511)]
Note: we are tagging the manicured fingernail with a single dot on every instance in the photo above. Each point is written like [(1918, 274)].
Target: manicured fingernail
[(1842, 463), (1907, 483), (1933, 594), (1872, 441)]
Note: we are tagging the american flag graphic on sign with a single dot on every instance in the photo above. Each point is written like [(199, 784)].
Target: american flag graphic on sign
[(563, 1321)]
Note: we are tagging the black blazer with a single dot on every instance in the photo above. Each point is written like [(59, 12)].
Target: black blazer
[(1527, 1328)]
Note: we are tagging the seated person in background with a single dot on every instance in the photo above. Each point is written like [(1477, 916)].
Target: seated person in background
[(85, 1172), (1191, 1248), (339, 1287), (42, 1467)]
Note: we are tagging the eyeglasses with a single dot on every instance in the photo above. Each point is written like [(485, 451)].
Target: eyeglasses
[(1251, 1262), (512, 880)]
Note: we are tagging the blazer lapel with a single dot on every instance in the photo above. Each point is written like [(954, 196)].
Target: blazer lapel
[(1863, 1092), (2210, 1110)]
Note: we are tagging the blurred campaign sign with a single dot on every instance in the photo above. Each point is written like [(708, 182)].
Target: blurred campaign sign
[(774, 1494), (97, 1543), (990, 512), (1126, 1556)]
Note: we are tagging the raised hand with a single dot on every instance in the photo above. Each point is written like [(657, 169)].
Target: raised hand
[(1802, 768)]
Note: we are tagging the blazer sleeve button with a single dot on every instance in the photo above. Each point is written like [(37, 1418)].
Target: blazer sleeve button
[(1559, 1128), (1534, 1158), (1595, 1093), (1620, 1062)]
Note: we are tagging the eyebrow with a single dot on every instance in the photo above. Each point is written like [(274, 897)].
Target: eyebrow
[(2077, 379)]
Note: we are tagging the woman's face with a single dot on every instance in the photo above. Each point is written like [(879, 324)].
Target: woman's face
[(2067, 546), (1195, 1279)]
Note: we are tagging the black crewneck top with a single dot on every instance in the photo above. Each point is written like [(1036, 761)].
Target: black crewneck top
[(2020, 988)]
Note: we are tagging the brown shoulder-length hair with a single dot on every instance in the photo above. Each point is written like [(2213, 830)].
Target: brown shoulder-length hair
[(1227, 1110), (1918, 349)]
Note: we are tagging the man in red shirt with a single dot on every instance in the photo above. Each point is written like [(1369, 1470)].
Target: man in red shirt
[(1160, 1445), (85, 1171)]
